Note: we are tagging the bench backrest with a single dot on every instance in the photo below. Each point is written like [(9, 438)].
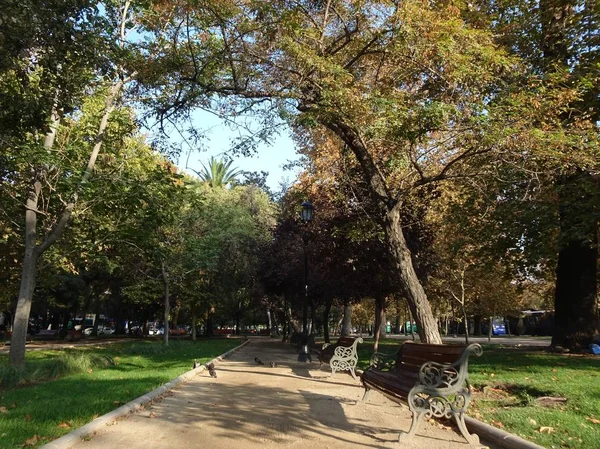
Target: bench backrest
[(412, 356), (345, 341), (418, 353)]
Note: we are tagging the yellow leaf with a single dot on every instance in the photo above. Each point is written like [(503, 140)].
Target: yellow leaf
[(65, 425), (532, 422), (3, 409), (594, 420), (545, 429)]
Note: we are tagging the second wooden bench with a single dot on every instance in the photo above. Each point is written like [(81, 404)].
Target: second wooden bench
[(341, 356)]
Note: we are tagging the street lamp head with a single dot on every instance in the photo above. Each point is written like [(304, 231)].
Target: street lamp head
[(307, 211)]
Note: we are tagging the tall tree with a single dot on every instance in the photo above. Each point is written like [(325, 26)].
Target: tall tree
[(391, 80), (60, 98), (217, 173), (550, 177)]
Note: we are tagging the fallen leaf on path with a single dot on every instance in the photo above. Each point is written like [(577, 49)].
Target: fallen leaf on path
[(65, 425), (31, 441), (152, 415), (546, 429), (497, 424), (594, 420)]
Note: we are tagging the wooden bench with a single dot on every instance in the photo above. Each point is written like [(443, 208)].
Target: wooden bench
[(341, 356), (431, 379)]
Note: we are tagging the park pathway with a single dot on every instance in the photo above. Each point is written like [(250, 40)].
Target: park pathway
[(252, 406)]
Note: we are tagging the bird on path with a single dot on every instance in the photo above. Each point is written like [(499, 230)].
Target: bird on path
[(273, 365), (196, 364), (259, 361), (211, 370)]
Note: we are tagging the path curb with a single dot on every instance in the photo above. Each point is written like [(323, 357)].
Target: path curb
[(498, 437), (72, 438)]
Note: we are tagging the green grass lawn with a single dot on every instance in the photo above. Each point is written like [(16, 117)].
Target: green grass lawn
[(38, 411), (508, 383)]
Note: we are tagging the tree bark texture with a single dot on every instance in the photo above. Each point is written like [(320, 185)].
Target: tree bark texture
[(21, 318), (326, 312), (379, 318), (417, 299), (167, 307), (347, 320), (575, 309)]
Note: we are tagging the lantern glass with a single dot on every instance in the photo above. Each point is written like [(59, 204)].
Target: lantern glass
[(307, 211)]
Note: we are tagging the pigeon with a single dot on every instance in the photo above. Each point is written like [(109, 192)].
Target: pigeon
[(259, 361), (273, 365), (196, 364), (211, 370)]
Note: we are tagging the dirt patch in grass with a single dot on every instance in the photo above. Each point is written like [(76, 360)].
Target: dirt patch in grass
[(510, 394)]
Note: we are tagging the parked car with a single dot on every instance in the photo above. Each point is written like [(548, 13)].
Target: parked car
[(102, 330)]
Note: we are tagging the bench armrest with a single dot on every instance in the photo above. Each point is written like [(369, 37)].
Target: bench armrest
[(383, 361), (448, 376)]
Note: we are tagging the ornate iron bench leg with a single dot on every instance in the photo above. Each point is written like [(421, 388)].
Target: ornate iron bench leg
[(460, 421), (406, 437), (353, 373), (366, 395)]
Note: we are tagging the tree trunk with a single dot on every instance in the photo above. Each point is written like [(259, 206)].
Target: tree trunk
[(379, 317), (313, 320), (575, 320), (21, 318), (412, 326), (477, 324), (398, 318), (210, 324), (402, 261), (464, 312), (347, 320), (269, 322), (326, 311), (33, 252), (193, 323), (167, 307)]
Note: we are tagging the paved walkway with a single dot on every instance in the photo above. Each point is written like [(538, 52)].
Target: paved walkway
[(293, 405)]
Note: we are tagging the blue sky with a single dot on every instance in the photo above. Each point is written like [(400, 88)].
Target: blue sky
[(219, 137)]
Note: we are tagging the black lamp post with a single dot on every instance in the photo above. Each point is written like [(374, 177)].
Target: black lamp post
[(306, 214)]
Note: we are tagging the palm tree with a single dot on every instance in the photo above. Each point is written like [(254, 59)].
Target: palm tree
[(218, 173)]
